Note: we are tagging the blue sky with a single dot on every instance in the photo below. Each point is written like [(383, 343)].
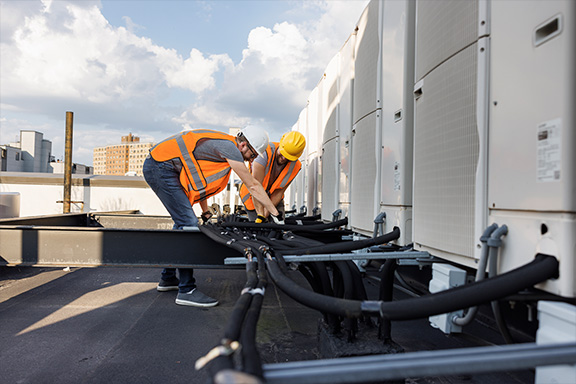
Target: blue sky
[(154, 67)]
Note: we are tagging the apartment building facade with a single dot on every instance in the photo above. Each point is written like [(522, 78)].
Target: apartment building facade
[(121, 159)]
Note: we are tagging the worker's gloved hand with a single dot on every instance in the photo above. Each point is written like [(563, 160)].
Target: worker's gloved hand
[(260, 219), (206, 216), (278, 219)]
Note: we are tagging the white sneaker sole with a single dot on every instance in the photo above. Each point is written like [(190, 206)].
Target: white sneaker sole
[(193, 304), (166, 289)]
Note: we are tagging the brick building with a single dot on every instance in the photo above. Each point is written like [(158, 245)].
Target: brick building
[(121, 159)]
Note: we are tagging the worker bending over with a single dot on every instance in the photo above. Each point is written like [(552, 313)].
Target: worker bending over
[(188, 168), (275, 169)]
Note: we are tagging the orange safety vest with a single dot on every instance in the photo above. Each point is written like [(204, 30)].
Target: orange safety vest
[(200, 179), (285, 177)]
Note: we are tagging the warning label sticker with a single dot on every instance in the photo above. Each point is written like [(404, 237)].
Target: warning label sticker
[(397, 176), (549, 150)]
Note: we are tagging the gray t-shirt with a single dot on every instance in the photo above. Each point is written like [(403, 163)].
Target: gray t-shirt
[(217, 150)]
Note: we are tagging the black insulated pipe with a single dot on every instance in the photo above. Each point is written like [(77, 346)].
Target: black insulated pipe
[(251, 361), (333, 305), (288, 227), (542, 268), (346, 246)]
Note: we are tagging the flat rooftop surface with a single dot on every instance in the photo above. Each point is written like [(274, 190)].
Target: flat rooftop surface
[(110, 325)]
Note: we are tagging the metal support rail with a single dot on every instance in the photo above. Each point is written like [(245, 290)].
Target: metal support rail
[(421, 364), (90, 240), (410, 255)]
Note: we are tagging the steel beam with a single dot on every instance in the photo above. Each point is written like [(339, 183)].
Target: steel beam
[(93, 246)]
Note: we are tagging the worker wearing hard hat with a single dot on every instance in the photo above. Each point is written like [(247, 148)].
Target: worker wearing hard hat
[(275, 169), (191, 166)]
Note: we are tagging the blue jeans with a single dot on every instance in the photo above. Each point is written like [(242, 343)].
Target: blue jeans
[(164, 179)]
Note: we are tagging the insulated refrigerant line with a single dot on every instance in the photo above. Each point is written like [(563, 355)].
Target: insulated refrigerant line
[(543, 267)]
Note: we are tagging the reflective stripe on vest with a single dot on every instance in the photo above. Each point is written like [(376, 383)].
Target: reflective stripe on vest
[(199, 178), (285, 177)]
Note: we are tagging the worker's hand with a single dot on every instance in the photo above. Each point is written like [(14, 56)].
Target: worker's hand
[(206, 216), (260, 219), (279, 219)]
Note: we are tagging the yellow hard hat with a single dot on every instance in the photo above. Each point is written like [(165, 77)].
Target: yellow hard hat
[(292, 145)]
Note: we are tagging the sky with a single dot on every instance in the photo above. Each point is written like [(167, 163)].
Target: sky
[(156, 67)]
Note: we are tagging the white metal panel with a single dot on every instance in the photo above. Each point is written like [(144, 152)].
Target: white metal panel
[(445, 27), (329, 159), (557, 324), (397, 116), (312, 190), (313, 145), (330, 174), (300, 180), (314, 121), (446, 156), (532, 154), (290, 195), (345, 121), (365, 193), (330, 99), (367, 62)]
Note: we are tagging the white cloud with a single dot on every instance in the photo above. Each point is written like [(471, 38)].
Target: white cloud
[(85, 57), (64, 55), (279, 68)]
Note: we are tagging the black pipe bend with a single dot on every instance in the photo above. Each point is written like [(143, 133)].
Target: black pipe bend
[(542, 268)]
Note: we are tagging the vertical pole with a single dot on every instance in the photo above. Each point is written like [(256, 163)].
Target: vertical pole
[(68, 162)]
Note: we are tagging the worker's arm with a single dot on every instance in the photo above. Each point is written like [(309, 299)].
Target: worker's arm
[(259, 172), (204, 205), (254, 187)]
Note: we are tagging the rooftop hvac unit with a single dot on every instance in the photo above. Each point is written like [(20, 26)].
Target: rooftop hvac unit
[(313, 147), (382, 138), (532, 145), (299, 183), (291, 191), (366, 133), (330, 162), (397, 77), (450, 128), (345, 122)]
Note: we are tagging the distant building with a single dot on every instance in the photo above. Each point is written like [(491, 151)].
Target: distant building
[(31, 154), (59, 167), (122, 159)]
